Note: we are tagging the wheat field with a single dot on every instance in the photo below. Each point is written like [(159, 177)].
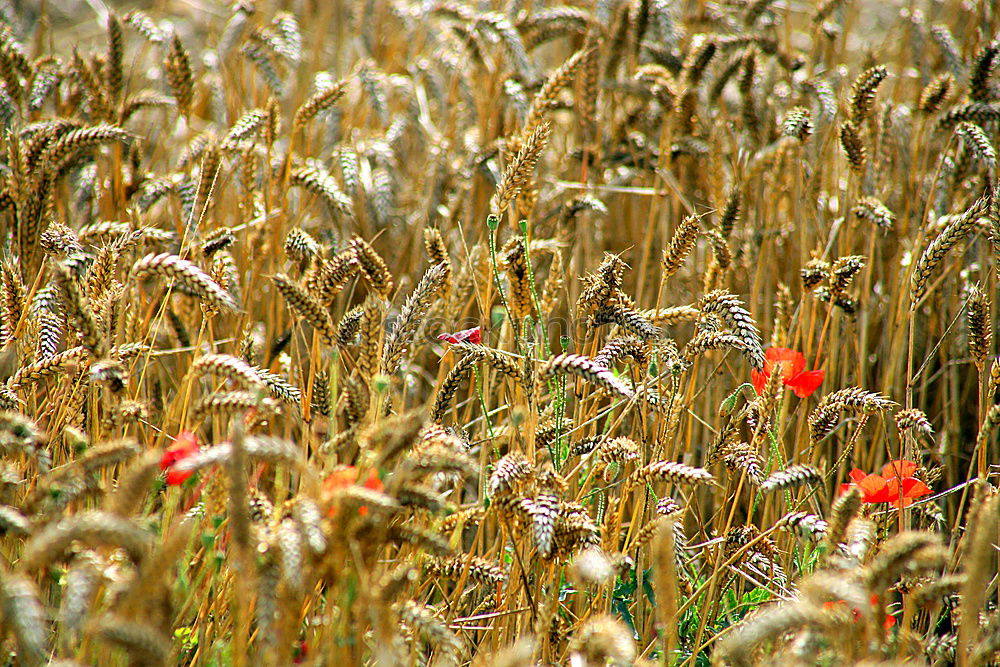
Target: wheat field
[(499, 332)]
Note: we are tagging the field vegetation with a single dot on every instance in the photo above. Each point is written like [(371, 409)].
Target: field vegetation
[(391, 332)]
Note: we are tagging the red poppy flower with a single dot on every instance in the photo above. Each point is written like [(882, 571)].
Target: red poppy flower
[(341, 478), (889, 621), (185, 446), (903, 492), (793, 374), (900, 468), (345, 476), (473, 335), (895, 485)]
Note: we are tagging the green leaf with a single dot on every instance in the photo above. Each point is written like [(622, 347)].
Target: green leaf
[(647, 586), (621, 608), (207, 540), (756, 597)]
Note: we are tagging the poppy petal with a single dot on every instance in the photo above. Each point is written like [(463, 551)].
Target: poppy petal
[(185, 446), (914, 488), (373, 482), (341, 478), (168, 459), (857, 475), (473, 335), (892, 490), (901, 468), (178, 477), (792, 361), (911, 489), (875, 489), (806, 382), (759, 379), (776, 354)]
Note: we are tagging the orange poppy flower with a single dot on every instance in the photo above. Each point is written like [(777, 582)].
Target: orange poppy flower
[(895, 485), (345, 476), (792, 364)]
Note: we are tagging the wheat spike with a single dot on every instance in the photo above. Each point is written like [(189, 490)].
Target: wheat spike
[(983, 67), (228, 366), (938, 248), (186, 277), (146, 643), (681, 245), (671, 471), (306, 307), (587, 369), (23, 612), (602, 640), (313, 177), (411, 314), (318, 102), (979, 325), (863, 92), (93, 527), (936, 93), (794, 475), (79, 312), (874, 211), (179, 75), (978, 141), (373, 267), (518, 172), (854, 147)]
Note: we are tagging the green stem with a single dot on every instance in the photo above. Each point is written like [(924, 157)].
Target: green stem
[(492, 222), (775, 453), (486, 414), (534, 291), (560, 410)]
